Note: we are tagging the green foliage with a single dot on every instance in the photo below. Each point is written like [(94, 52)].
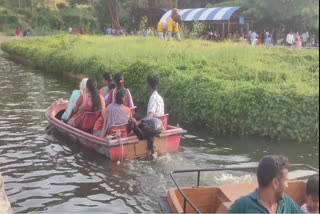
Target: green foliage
[(229, 88), (144, 23), (46, 17), (292, 14), (197, 29)]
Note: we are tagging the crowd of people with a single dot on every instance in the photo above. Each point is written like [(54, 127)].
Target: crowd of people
[(95, 111), (109, 31), (267, 38), (76, 31), (270, 197), (26, 30)]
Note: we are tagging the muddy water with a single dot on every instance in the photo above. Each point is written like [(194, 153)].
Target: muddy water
[(45, 173)]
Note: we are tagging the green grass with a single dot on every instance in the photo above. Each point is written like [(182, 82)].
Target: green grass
[(229, 88)]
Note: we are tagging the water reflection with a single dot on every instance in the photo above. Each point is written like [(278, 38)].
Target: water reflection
[(46, 173)]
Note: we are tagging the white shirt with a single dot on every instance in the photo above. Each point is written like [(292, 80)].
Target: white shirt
[(156, 105), (304, 37), (290, 38)]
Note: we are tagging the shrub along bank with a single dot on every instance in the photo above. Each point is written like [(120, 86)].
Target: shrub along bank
[(229, 88)]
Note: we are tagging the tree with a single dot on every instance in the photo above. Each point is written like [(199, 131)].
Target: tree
[(291, 14), (113, 8)]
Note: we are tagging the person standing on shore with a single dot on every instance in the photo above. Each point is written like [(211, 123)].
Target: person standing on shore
[(254, 38), (70, 30), (76, 31), (299, 41), (290, 39), (18, 32), (109, 31), (82, 31), (268, 40), (25, 32)]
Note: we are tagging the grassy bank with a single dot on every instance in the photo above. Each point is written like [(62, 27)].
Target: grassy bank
[(229, 88)]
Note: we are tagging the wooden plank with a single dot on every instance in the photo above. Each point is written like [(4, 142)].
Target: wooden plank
[(161, 145), (5, 207)]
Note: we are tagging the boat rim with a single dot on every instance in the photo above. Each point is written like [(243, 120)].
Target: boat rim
[(100, 141), (186, 200)]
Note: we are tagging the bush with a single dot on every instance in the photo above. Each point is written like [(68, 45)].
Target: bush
[(229, 88)]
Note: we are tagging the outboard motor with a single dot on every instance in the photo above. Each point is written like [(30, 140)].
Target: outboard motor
[(148, 130)]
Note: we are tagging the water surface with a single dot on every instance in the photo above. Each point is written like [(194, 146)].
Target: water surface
[(45, 173)]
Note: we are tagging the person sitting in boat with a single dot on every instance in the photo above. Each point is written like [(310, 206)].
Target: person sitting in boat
[(73, 100), (112, 86), (116, 114), (119, 80), (312, 205), (89, 102), (270, 196), (107, 79), (156, 104)]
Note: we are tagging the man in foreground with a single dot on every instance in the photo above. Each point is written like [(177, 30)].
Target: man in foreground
[(272, 177)]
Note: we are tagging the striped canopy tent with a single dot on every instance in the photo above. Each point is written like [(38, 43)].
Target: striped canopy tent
[(218, 15)]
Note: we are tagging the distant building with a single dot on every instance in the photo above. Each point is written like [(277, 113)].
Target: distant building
[(224, 20)]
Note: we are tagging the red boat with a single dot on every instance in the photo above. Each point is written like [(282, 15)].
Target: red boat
[(124, 148)]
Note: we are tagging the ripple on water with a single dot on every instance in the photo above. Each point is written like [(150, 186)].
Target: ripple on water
[(45, 173)]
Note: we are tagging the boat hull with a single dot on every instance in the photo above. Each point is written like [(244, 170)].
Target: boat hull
[(124, 149), (220, 199)]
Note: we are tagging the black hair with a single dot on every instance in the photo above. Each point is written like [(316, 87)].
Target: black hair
[(153, 82), (271, 167), (120, 95), (313, 186), (107, 77), (96, 102), (111, 86), (118, 80)]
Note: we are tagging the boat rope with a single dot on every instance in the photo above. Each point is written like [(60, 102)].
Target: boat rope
[(118, 134)]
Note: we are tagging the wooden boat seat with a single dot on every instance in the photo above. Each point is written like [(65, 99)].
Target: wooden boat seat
[(164, 119), (220, 199), (296, 190), (233, 194), (122, 128), (89, 120), (224, 207)]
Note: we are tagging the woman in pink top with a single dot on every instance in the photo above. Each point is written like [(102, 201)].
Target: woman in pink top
[(119, 79), (299, 42), (89, 102), (18, 31), (76, 31)]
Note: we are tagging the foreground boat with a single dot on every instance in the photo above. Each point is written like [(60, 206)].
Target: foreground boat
[(5, 207), (126, 148), (219, 199)]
